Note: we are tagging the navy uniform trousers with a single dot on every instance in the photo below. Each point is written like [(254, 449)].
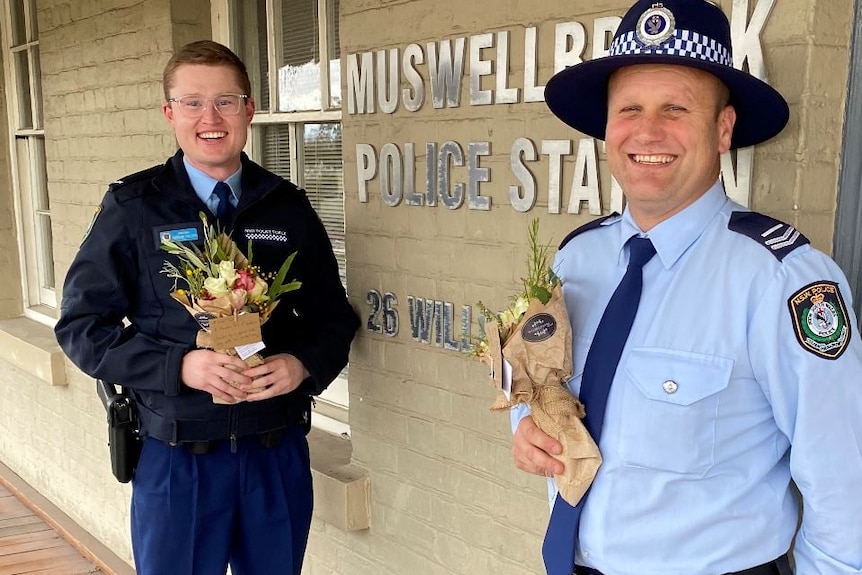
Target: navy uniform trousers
[(192, 514)]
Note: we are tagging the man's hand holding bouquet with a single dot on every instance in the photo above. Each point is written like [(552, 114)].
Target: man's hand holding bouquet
[(529, 348), (225, 293)]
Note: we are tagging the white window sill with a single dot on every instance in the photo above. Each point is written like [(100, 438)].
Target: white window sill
[(32, 347)]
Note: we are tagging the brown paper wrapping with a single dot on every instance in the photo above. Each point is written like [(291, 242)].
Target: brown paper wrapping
[(222, 308), (540, 353)]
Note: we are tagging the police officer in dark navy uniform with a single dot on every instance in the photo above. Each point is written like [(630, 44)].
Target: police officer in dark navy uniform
[(730, 364), (216, 484)]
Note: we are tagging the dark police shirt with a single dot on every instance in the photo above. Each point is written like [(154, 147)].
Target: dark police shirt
[(119, 323)]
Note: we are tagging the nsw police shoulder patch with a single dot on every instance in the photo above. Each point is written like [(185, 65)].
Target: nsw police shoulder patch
[(820, 319), (92, 223)]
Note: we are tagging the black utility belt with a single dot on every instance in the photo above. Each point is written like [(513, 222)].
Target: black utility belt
[(780, 566), (175, 431), (266, 440)]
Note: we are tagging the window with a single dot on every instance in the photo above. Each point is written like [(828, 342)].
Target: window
[(27, 149), (291, 50)]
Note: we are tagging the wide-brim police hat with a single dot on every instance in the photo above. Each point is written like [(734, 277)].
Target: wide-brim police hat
[(692, 33)]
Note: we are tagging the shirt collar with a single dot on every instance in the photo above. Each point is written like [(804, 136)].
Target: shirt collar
[(675, 235), (204, 184)]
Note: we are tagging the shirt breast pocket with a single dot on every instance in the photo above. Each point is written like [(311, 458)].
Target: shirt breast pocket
[(670, 408)]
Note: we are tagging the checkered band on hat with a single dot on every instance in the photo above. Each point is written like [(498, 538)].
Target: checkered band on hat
[(682, 43)]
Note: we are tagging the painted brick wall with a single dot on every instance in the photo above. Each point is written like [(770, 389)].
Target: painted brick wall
[(101, 66), (445, 495), (807, 58)]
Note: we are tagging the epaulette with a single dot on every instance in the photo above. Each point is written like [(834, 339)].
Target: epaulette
[(587, 227), (147, 174), (776, 236)]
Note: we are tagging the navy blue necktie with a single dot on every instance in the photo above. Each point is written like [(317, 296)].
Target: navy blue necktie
[(224, 211), (561, 540)]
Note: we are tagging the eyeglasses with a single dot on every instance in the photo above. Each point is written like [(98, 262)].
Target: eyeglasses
[(225, 104)]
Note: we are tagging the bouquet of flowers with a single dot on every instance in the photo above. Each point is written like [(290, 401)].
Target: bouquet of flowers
[(228, 296), (529, 349)]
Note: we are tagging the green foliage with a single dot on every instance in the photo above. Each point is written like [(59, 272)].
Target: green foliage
[(278, 287), (197, 265), (541, 279), (538, 284)]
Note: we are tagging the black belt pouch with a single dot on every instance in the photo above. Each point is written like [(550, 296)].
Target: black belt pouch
[(124, 439)]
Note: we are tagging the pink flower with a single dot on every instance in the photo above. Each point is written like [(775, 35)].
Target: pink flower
[(237, 298), (244, 281)]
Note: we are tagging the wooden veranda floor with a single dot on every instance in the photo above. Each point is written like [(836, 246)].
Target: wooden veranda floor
[(28, 545)]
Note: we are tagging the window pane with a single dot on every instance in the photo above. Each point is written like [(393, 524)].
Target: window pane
[(262, 57), (323, 182), (22, 72), (36, 96), (38, 263), (32, 27), (276, 149), (299, 72), (19, 36), (322, 174), (46, 241), (334, 55), (249, 19), (41, 199), (42, 206)]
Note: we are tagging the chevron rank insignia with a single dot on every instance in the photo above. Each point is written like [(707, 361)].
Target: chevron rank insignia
[(820, 319), (776, 236)]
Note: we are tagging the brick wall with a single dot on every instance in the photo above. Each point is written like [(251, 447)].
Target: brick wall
[(101, 69), (445, 495), (797, 174), (101, 66)]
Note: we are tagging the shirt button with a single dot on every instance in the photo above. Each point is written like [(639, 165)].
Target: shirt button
[(669, 386)]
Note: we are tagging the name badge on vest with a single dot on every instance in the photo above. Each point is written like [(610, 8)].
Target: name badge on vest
[(190, 232)]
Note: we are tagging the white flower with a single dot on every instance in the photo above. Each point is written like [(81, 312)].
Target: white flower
[(507, 319), (227, 272), (520, 307), (258, 290), (217, 287)]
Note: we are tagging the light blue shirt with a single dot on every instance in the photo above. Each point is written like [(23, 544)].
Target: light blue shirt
[(203, 186), (696, 481)]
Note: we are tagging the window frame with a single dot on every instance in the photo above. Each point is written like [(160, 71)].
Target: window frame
[(28, 164), (332, 405)]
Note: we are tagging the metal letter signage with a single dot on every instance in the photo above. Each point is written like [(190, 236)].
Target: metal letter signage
[(746, 38), (395, 80)]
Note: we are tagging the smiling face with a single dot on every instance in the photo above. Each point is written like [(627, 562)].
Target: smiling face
[(667, 127), (211, 142)]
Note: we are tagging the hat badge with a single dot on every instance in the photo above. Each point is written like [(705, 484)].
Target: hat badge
[(655, 25)]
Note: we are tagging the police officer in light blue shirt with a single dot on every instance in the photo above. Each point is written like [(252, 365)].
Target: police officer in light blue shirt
[(743, 368)]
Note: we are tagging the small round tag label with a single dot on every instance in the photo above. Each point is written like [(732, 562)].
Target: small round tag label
[(539, 328), (204, 318)]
